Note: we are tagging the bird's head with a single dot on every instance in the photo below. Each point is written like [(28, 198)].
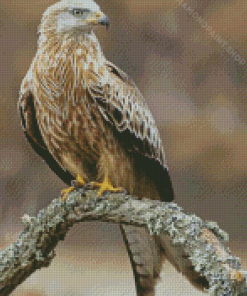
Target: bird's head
[(72, 16)]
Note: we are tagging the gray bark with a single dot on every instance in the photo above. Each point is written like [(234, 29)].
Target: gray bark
[(193, 246)]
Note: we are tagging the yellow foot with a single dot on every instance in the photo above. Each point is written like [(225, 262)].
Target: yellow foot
[(105, 186), (65, 192), (79, 182)]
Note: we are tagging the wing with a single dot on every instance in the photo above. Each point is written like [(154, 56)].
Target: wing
[(121, 103), (32, 132)]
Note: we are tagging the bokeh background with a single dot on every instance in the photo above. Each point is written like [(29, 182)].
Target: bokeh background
[(197, 93)]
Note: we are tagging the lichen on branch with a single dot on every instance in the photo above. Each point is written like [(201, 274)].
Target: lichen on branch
[(194, 247)]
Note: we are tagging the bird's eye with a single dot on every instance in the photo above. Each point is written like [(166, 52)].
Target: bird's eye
[(77, 12)]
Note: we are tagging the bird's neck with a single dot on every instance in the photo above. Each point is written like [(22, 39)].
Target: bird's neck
[(69, 42), (66, 63), (80, 49)]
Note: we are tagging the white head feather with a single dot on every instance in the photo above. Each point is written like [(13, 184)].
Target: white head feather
[(59, 17)]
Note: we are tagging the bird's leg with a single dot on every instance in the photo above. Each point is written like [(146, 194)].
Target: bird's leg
[(105, 186), (79, 182)]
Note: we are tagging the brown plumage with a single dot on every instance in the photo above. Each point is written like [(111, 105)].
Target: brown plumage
[(86, 117)]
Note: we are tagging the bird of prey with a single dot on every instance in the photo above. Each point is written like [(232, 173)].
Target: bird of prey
[(87, 119)]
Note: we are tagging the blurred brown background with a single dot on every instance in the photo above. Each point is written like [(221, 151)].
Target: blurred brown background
[(196, 89)]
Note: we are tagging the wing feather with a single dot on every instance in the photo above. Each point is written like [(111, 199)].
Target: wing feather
[(121, 103), (33, 134)]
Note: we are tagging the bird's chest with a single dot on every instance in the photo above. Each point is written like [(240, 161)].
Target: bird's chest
[(76, 120), (76, 133), (69, 119), (79, 141)]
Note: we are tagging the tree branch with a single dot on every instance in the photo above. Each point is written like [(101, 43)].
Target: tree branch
[(188, 242)]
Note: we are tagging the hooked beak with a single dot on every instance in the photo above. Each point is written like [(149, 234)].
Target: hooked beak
[(104, 20)]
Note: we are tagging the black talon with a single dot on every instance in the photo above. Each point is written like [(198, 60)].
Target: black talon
[(88, 186), (73, 183), (105, 193)]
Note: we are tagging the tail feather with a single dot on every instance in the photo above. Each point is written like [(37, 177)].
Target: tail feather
[(145, 257)]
